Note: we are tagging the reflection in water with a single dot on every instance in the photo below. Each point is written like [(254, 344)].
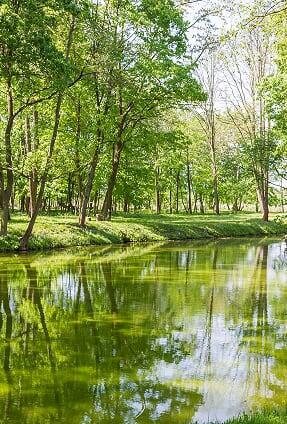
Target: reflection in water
[(180, 332)]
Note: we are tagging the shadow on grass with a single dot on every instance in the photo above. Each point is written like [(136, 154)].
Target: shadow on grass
[(64, 232)]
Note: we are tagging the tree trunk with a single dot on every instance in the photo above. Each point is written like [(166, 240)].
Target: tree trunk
[(1, 186), (96, 202), (215, 179), (107, 206), (195, 204), (170, 201), (7, 191), (22, 203), (126, 205), (282, 196), (33, 194), (189, 205), (201, 204), (70, 190), (265, 201), (263, 196), (265, 210), (177, 191), (235, 206), (88, 188), (77, 159), (158, 202), (211, 126), (157, 191), (33, 173)]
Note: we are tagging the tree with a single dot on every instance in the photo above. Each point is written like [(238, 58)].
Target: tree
[(147, 73), (206, 115), (247, 64), (31, 67), (71, 27)]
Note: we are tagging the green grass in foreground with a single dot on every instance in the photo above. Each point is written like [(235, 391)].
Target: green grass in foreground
[(58, 231), (261, 418)]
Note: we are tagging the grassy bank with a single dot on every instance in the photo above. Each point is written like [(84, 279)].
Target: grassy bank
[(261, 418), (58, 231)]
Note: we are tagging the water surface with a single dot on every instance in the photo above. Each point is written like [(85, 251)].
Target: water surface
[(165, 333)]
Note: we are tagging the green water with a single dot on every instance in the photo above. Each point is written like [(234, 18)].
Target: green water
[(166, 333)]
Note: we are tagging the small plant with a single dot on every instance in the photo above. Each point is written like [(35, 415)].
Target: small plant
[(280, 219)]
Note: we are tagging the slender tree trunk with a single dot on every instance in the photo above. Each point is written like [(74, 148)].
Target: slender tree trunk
[(126, 205), (96, 202), (107, 206), (177, 191), (70, 189), (32, 175), (157, 191), (88, 188), (189, 204), (263, 195), (1, 186), (22, 203), (282, 196), (13, 200), (33, 193), (265, 210), (211, 130), (265, 199), (7, 191), (77, 158), (158, 201), (195, 204), (215, 179), (170, 201), (85, 196), (117, 150)]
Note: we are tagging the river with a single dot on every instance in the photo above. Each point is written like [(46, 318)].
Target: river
[(167, 332)]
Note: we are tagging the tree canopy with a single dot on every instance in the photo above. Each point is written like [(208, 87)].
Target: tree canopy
[(127, 105)]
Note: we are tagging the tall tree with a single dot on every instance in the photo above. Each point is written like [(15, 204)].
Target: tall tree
[(30, 65), (148, 72), (248, 64), (57, 114), (206, 115)]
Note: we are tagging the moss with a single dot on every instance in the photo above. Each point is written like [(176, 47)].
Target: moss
[(59, 231)]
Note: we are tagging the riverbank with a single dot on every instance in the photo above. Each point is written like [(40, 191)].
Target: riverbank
[(59, 231), (261, 418)]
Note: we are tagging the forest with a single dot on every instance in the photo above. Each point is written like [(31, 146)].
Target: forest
[(125, 106)]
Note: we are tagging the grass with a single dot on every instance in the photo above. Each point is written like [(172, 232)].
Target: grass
[(57, 231), (271, 417)]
